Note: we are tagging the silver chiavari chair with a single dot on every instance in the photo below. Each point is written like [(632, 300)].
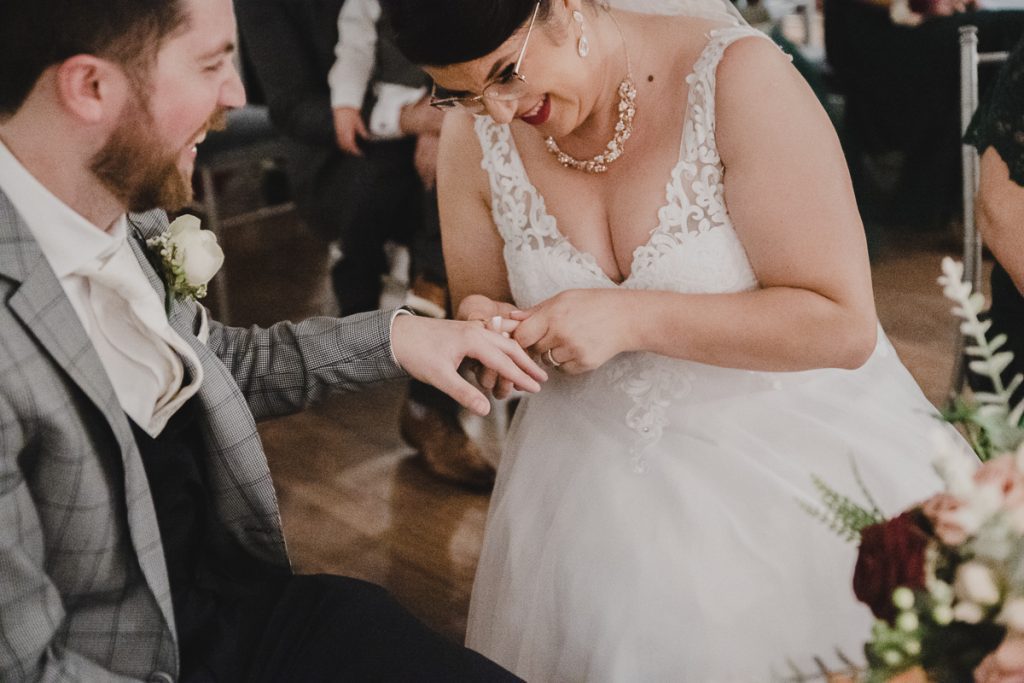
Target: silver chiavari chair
[(970, 61)]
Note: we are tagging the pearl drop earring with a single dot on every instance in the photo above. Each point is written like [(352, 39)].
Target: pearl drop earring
[(583, 46)]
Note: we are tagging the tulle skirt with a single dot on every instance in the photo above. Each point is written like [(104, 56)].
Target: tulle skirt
[(649, 522)]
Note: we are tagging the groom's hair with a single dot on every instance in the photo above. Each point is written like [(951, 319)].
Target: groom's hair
[(36, 34), (444, 32)]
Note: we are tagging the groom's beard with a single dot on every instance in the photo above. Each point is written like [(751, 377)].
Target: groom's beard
[(137, 171)]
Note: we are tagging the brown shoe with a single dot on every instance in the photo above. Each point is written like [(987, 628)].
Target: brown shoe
[(427, 298), (444, 447)]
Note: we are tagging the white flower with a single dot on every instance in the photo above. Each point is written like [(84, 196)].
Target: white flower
[(912, 647), (968, 612), (975, 583), (941, 592), (942, 614), (956, 470), (1012, 615), (907, 621), (200, 255), (903, 598)]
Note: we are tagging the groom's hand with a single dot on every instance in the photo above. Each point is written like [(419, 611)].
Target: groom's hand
[(432, 350)]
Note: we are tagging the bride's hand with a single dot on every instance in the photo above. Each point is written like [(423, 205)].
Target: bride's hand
[(495, 315), (576, 331)]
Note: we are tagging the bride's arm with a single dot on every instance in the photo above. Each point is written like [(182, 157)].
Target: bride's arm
[(477, 279), (471, 243), (790, 198)]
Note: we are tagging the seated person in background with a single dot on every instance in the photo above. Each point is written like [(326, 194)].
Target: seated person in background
[(363, 192), (998, 132), (897, 63)]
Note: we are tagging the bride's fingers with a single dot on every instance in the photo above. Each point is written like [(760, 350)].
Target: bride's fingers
[(505, 326), (531, 331), (571, 367), (487, 378), (503, 390)]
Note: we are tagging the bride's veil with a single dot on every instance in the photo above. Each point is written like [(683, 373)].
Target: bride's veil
[(721, 10)]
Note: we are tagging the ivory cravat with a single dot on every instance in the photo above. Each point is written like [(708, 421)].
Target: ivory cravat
[(144, 357)]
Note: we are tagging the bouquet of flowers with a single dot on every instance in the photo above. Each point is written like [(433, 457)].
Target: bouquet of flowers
[(945, 579)]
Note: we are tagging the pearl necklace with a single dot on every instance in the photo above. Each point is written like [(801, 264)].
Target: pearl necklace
[(623, 128)]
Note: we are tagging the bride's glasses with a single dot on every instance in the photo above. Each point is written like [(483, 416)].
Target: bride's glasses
[(508, 86)]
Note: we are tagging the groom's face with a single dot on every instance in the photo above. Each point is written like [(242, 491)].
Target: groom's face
[(149, 158)]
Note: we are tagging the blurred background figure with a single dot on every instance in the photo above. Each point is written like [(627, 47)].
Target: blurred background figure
[(998, 133), (896, 63), (363, 146)]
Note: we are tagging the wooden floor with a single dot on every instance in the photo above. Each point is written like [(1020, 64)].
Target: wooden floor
[(353, 498)]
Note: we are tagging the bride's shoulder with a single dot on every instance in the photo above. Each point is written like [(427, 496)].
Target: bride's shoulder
[(460, 149), (679, 40)]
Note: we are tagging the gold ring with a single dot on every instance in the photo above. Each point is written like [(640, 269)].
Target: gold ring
[(551, 359)]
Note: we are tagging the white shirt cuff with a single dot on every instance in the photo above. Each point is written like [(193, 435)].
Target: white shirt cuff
[(391, 324), (386, 117)]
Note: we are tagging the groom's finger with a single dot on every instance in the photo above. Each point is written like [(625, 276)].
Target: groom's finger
[(510, 361), (468, 396)]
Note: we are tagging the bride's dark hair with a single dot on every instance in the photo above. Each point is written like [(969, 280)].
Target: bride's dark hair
[(443, 32)]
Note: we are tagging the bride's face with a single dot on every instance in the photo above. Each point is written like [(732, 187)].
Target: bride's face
[(551, 89)]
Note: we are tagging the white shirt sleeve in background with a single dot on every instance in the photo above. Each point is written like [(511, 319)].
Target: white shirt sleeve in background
[(355, 53)]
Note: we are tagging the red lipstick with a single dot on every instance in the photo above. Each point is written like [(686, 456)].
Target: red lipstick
[(542, 114)]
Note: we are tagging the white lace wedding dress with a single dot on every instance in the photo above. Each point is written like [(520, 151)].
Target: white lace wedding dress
[(646, 524)]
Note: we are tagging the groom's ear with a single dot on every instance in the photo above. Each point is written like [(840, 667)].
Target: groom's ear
[(91, 89)]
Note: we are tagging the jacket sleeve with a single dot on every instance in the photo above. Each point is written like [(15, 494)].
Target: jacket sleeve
[(298, 97), (284, 368), (31, 609)]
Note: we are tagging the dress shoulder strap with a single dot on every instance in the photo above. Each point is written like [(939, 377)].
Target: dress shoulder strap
[(702, 80)]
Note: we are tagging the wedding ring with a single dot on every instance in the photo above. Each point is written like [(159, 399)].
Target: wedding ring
[(551, 359)]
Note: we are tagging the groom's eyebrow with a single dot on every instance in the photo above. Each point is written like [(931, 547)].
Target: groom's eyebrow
[(225, 49)]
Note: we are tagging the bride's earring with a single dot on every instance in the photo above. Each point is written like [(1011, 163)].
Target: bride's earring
[(583, 46)]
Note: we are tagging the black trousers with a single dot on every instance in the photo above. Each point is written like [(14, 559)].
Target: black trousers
[(322, 628), (364, 202)]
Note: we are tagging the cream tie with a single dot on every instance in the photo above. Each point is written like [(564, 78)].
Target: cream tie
[(140, 351)]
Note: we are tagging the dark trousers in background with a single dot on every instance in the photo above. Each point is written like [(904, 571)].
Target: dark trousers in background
[(364, 202)]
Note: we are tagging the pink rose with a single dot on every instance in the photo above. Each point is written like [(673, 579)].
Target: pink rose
[(941, 510), (1003, 474), (1005, 665)]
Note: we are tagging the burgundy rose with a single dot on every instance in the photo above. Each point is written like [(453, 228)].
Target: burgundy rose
[(892, 554)]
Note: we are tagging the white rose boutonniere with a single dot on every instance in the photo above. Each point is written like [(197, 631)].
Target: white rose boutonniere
[(190, 257)]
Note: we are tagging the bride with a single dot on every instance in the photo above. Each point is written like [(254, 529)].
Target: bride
[(660, 209)]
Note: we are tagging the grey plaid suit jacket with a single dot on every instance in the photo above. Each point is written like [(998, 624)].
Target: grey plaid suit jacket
[(83, 583)]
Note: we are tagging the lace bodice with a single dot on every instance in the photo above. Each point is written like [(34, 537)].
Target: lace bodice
[(999, 122), (692, 249)]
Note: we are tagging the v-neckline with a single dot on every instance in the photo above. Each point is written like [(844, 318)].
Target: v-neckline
[(586, 257)]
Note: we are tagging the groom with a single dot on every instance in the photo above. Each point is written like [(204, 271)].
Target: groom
[(139, 533)]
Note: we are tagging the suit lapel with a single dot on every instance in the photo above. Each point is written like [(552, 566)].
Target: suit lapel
[(43, 307)]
